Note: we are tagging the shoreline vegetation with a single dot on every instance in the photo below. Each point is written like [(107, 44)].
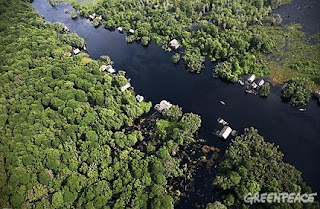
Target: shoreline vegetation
[(71, 137), (245, 38), (251, 165)]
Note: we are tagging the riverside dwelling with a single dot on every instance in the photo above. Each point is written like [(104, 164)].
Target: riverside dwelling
[(251, 78), (131, 31), (139, 98), (260, 82), (174, 44), (66, 29), (125, 87), (120, 29), (91, 17), (163, 105), (108, 68), (76, 51), (225, 132), (284, 86), (254, 85)]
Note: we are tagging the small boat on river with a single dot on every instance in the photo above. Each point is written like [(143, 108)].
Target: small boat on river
[(250, 91), (222, 121), (222, 102), (241, 82), (302, 109)]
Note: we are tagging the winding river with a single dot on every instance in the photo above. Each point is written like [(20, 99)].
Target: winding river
[(155, 77)]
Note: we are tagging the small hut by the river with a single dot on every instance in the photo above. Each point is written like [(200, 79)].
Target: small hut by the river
[(163, 105)]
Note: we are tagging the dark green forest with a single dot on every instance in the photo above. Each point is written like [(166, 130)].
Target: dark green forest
[(70, 138)]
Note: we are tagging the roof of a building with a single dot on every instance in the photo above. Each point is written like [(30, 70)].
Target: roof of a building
[(139, 98), (91, 17), (111, 70), (284, 86), (125, 87), (252, 78), (174, 43), (254, 85), (103, 67), (261, 82), (131, 31), (108, 68), (225, 132), (76, 51), (163, 105), (66, 29)]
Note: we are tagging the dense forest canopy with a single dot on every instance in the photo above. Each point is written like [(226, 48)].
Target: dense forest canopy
[(70, 138), (67, 133)]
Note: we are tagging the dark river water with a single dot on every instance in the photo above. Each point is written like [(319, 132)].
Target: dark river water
[(155, 77), (304, 12)]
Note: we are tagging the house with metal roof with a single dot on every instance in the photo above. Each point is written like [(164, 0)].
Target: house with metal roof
[(251, 78), (163, 105), (174, 44), (225, 132), (108, 68), (139, 98), (125, 87), (260, 82), (76, 51)]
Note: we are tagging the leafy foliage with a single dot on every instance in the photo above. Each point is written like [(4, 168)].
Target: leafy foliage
[(176, 58), (174, 113), (216, 205), (264, 90), (298, 91), (73, 39), (252, 165), (145, 40), (74, 15)]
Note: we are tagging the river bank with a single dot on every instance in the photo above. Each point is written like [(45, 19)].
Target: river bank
[(156, 78)]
